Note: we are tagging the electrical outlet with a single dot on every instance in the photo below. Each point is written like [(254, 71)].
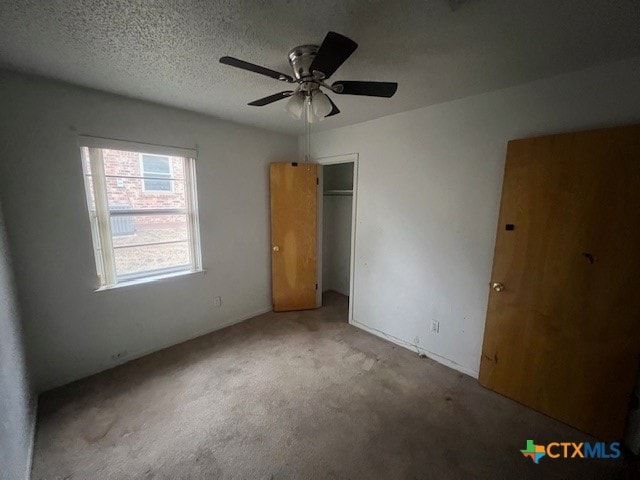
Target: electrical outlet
[(217, 301), (435, 326), (118, 356), (416, 340)]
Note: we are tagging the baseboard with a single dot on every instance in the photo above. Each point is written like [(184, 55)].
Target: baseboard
[(141, 353), (220, 326), (415, 348)]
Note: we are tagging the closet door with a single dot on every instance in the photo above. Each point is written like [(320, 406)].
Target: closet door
[(293, 235), (563, 322)]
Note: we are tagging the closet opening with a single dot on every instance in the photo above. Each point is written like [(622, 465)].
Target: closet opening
[(336, 233)]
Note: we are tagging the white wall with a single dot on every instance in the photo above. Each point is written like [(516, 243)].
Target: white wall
[(72, 331), (428, 195), (17, 413)]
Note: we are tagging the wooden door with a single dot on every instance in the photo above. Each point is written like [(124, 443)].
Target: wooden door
[(563, 336), (293, 235)]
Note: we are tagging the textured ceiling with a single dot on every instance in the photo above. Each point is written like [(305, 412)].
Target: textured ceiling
[(167, 51)]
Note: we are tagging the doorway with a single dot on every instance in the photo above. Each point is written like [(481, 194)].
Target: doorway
[(337, 197)]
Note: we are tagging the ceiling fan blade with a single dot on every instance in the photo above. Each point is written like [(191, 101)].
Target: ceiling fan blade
[(261, 102), (234, 62), (334, 111), (370, 89), (335, 49)]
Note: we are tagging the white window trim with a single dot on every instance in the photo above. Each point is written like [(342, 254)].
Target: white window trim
[(154, 279), (114, 144), (101, 220), (170, 179)]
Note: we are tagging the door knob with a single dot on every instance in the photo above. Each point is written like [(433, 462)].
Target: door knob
[(497, 286), (276, 248)]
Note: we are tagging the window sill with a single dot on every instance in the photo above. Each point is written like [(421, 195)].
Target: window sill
[(153, 279)]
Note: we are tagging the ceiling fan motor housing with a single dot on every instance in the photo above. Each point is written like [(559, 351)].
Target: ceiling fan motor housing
[(301, 59)]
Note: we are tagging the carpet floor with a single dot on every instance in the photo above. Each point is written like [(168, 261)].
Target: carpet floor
[(300, 395)]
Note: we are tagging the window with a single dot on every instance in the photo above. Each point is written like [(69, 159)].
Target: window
[(143, 210), (158, 167)]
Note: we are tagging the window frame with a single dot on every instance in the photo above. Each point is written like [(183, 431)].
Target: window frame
[(100, 218), (169, 179)]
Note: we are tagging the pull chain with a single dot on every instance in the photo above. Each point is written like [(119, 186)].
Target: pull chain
[(307, 130)]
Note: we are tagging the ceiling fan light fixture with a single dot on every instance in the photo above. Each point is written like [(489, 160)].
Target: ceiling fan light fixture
[(295, 106), (321, 104), (311, 115)]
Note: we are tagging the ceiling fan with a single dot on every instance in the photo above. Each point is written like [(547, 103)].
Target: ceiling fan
[(312, 66)]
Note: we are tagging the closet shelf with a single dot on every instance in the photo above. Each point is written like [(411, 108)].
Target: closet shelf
[(337, 192)]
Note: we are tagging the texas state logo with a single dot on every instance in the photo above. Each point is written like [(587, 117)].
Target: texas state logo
[(571, 450), (533, 451)]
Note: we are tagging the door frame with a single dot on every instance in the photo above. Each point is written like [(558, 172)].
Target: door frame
[(345, 158)]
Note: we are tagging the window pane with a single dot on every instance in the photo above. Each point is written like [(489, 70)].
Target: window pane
[(142, 229), (122, 226), (119, 162), (130, 164), (149, 242), (157, 185), (130, 260), (133, 194), (154, 165)]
